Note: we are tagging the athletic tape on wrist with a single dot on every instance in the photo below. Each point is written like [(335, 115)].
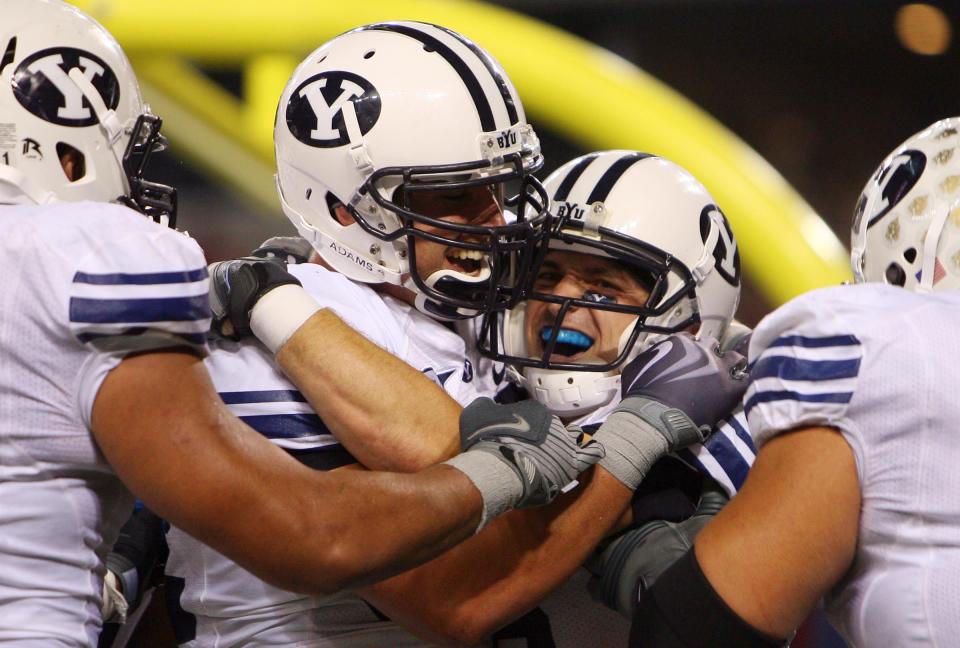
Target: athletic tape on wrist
[(499, 485), (632, 446), (278, 314)]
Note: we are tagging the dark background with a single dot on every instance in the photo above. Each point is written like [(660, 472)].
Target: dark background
[(822, 89)]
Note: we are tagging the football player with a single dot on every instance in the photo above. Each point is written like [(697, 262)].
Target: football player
[(637, 290), (395, 146), (102, 387), (853, 495), (640, 250)]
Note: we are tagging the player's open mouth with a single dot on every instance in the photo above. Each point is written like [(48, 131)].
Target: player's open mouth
[(570, 342), (468, 262)]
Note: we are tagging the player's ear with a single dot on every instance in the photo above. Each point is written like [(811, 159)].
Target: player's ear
[(343, 216), (72, 161)]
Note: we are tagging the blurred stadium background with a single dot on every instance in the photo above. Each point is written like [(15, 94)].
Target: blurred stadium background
[(820, 89)]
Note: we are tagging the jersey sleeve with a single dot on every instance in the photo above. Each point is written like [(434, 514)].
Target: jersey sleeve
[(145, 290), (805, 366), (727, 455)]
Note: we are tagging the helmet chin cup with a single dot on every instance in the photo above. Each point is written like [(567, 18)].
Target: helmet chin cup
[(569, 394), (452, 284)]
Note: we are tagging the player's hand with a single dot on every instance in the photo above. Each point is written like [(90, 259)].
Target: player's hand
[(636, 558), (292, 249), (532, 442), (237, 285), (683, 386)]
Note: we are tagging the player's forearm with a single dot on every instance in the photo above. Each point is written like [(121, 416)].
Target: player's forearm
[(387, 414), (464, 595), (790, 533), (169, 438)]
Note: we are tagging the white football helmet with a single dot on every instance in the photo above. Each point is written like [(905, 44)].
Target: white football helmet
[(906, 228), (658, 221), (67, 90), (391, 109)]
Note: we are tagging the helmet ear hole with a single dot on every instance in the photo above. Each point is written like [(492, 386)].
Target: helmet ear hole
[(895, 275), (910, 255), (72, 160)]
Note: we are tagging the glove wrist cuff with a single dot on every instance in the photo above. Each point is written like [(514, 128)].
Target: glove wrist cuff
[(500, 486), (675, 426), (279, 313)]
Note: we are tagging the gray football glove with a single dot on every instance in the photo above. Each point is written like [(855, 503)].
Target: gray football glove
[(673, 394), (292, 249), (519, 455), (236, 286), (634, 560)]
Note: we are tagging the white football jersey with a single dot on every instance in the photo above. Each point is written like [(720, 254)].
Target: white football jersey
[(84, 285), (879, 364), (220, 603)]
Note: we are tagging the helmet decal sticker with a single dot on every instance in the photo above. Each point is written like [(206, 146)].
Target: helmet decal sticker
[(315, 109), (571, 178), (897, 179), (609, 178), (725, 251), (31, 149), (8, 54), (41, 85)]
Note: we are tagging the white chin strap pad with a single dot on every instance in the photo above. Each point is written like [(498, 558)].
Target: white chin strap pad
[(571, 393), (15, 186)]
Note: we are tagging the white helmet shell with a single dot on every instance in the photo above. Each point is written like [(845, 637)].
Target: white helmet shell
[(66, 87), (906, 229), (391, 105), (651, 215)]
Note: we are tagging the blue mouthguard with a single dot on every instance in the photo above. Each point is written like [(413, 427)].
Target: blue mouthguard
[(567, 336)]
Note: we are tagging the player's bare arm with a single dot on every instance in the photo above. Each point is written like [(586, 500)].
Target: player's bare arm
[(481, 585), (537, 550), (386, 413), (163, 428), (781, 543)]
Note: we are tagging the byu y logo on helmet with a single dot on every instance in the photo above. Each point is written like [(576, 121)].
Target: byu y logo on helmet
[(315, 110), (897, 180), (42, 85), (716, 234)]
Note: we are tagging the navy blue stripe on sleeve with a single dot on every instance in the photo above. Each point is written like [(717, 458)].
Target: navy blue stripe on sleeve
[(140, 279), (815, 342), (265, 396), (128, 311), (197, 339), (769, 396), (790, 368), (729, 458), (286, 426), (741, 432)]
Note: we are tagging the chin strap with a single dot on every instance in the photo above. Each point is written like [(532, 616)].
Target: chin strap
[(15, 186), (931, 241)]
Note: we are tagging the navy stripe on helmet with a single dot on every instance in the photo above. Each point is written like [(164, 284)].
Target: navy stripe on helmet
[(609, 178), (458, 64), (567, 184), (488, 63)]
